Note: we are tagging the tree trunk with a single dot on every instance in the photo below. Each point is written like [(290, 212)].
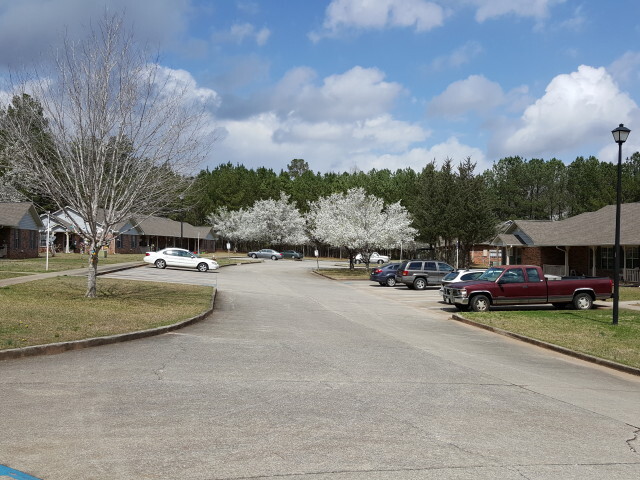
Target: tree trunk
[(92, 276)]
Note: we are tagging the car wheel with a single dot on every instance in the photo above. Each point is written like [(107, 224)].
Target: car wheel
[(203, 267), (480, 303), (391, 282), (583, 301), (254, 256), (380, 262), (273, 257), (420, 284), (161, 263)]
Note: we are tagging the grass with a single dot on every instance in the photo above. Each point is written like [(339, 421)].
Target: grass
[(55, 310), (590, 332), (629, 294), (358, 273), (61, 262), (71, 261)]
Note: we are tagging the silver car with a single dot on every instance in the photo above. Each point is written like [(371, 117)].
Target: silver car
[(420, 274), (265, 253)]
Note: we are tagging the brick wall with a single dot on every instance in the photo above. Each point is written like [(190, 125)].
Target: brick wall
[(28, 243)]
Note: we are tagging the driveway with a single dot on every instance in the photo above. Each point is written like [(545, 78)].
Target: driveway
[(298, 376)]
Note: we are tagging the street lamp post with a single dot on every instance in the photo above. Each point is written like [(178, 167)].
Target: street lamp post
[(181, 197), (620, 136)]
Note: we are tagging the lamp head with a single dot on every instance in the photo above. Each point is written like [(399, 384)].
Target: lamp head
[(620, 134)]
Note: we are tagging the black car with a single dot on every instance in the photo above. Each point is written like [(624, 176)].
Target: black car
[(292, 254), (385, 275)]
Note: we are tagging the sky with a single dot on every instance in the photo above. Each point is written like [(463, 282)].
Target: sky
[(353, 85)]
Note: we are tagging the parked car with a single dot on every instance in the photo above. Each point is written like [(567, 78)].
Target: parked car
[(463, 275), (526, 284), (292, 254), (375, 257), (420, 274), (266, 253), (385, 275), (179, 257)]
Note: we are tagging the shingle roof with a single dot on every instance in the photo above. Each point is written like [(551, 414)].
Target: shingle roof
[(586, 229), (11, 214), (165, 227)]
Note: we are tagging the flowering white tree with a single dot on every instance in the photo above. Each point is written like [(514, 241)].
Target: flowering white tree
[(229, 223), (274, 222), (359, 223), (116, 137)]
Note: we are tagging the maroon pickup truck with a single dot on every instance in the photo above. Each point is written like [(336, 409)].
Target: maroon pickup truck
[(526, 284)]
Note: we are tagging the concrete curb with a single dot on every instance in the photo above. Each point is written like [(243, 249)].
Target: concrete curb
[(60, 347), (551, 346)]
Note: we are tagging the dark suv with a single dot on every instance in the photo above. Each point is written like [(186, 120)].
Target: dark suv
[(419, 274)]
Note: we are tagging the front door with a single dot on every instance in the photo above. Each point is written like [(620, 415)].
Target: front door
[(512, 287)]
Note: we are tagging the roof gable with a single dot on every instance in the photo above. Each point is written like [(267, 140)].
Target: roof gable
[(20, 215)]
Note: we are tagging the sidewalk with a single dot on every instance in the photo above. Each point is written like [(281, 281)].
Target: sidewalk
[(78, 272)]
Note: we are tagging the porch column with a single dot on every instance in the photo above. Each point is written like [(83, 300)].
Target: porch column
[(566, 260), (66, 249), (593, 260), (624, 263)]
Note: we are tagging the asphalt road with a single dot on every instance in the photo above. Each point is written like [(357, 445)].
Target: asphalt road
[(297, 376)]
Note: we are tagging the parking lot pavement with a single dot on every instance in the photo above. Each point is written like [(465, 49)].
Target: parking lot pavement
[(299, 376), (428, 299)]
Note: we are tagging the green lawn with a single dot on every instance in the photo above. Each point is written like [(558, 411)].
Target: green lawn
[(70, 261), (61, 262), (590, 332), (55, 309)]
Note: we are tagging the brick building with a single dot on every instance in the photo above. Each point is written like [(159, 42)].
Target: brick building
[(583, 244)]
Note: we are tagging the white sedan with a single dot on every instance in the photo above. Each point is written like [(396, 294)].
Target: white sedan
[(179, 257), (375, 257)]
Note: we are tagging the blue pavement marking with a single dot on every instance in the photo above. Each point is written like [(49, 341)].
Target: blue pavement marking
[(6, 472)]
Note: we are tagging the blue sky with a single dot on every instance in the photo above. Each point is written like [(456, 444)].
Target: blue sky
[(362, 84)]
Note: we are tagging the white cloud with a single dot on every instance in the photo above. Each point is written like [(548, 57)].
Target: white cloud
[(343, 15), (488, 9), (626, 69), (240, 32), (357, 94), (182, 81), (417, 158), (475, 93), (458, 57), (575, 110)]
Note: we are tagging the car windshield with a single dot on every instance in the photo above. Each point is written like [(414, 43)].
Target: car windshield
[(491, 275)]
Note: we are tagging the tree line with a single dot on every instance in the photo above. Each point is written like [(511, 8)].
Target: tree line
[(451, 204)]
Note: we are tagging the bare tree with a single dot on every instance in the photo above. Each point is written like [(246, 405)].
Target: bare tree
[(120, 135)]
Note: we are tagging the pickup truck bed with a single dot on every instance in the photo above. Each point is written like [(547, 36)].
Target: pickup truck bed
[(526, 284)]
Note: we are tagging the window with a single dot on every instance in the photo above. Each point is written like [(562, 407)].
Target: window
[(444, 267), (532, 273), (513, 275), (430, 266), (16, 238), (415, 266), (606, 258), (33, 240), (632, 259)]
